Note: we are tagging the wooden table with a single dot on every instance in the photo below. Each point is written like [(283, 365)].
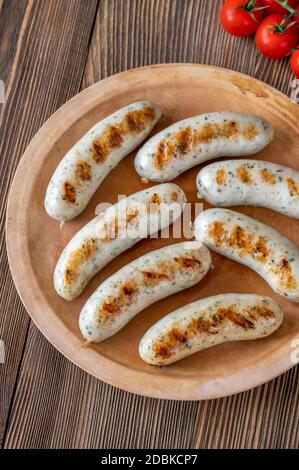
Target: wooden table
[(49, 51)]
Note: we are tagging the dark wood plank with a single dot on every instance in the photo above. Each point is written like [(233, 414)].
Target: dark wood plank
[(131, 34), (56, 404), (266, 417), (43, 52), (13, 22)]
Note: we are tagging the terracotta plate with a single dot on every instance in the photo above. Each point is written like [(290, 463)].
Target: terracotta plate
[(35, 241)]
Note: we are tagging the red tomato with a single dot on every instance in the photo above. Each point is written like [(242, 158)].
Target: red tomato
[(274, 7), (240, 18), (275, 37), (295, 63), (297, 17)]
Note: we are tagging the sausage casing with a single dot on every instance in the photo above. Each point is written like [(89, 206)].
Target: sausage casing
[(112, 232), (142, 282), (207, 322), (195, 140), (88, 162), (253, 244), (250, 182)]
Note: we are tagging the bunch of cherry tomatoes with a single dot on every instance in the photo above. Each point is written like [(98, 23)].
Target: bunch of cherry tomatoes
[(275, 24)]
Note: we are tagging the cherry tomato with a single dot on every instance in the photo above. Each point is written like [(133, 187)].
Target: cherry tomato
[(275, 37), (295, 63), (274, 7), (297, 17), (240, 17)]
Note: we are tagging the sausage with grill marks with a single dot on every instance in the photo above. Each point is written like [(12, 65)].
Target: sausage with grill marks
[(208, 322), (115, 230), (195, 140), (250, 182), (139, 284), (253, 244), (90, 160)]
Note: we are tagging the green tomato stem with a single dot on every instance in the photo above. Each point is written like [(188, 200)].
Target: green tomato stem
[(285, 4), (250, 7)]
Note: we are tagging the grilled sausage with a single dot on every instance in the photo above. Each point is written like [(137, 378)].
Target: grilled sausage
[(193, 141), (253, 244), (114, 231), (249, 182), (89, 161), (142, 282), (207, 322)]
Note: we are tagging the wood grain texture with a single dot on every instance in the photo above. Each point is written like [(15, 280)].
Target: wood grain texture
[(13, 20), (266, 417), (44, 47), (56, 404)]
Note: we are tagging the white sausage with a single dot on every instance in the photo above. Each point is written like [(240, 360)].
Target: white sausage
[(253, 244), (195, 140), (249, 182), (207, 322), (114, 231), (142, 282), (88, 162)]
